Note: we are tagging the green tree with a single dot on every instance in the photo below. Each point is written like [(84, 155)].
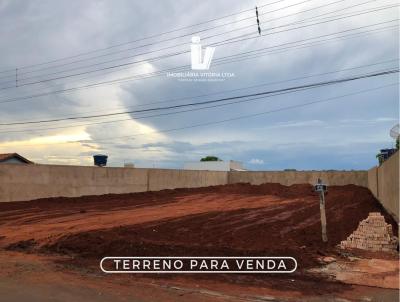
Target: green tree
[(210, 158), (379, 156)]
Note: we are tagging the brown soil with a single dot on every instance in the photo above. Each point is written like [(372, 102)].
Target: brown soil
[(239, 219), (45, 281)]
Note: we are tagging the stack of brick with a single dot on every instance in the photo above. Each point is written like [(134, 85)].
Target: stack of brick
[(372, 234)]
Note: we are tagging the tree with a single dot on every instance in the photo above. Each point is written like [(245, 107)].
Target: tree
[(210, 158), (379, 156)]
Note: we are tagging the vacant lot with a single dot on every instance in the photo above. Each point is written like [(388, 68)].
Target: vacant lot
[(232, 220)]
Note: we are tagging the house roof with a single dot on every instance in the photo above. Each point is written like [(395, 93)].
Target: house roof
[(6, 156)]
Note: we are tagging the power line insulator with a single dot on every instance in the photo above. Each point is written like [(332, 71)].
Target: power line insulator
[(258, 22)]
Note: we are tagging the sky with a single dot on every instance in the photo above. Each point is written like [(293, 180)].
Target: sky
[(58, 59)]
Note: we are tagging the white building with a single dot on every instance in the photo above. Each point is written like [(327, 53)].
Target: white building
[(214, 166)]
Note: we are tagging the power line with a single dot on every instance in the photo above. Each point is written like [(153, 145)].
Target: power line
[(281, 17), (256, 114), (206, 95), (112, 139), (154, 115), (147, 37), (154, 43), (136, 55), (157, 58), (132, 78), (171, 39), (266, 34), (182, 68), (178, 53), (261, 53), (132, 56), (293, 88), (313, 17), (223, 42)]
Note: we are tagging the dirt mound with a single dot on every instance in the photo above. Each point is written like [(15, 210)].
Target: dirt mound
[(230, 220), (42, 209), (284, 227), (294, 191), (156, 197), (22, 246)]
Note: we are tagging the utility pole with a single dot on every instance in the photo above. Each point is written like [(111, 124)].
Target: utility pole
[(321, 189)]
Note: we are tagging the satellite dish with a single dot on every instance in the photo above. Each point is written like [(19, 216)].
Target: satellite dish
[(394, 132)]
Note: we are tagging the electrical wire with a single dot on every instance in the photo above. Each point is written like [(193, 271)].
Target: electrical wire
[(211, 44), (144, 38), (293, 88), (148, 60), (210, 94), (205, 38), (243, 88), (112, 139), (122, 80)]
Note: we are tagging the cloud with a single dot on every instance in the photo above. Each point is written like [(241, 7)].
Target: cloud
[(347, 131), (256, 161)]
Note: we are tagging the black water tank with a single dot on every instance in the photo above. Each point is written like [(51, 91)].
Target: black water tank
[(100, 160), (386, 153)]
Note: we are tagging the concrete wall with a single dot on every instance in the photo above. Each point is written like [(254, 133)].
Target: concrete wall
[(373, 180), (359, 178), (160, 179), (383, 181), (26, 182), (214, 165)]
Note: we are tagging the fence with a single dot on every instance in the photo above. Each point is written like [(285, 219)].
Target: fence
[(27, 182)]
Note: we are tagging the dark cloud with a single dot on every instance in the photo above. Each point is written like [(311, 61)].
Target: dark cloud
[(348, 131)]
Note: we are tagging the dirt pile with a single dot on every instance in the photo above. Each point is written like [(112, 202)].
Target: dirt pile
[(287, 226), (231, 220), (293, 191)]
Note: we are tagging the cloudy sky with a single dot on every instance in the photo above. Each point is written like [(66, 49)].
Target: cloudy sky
[(78, 58)]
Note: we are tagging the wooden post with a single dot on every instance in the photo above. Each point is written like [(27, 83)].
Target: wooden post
[(323, 216), (321, 188)]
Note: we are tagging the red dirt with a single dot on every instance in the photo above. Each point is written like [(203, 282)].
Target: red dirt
[(239, 219)]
